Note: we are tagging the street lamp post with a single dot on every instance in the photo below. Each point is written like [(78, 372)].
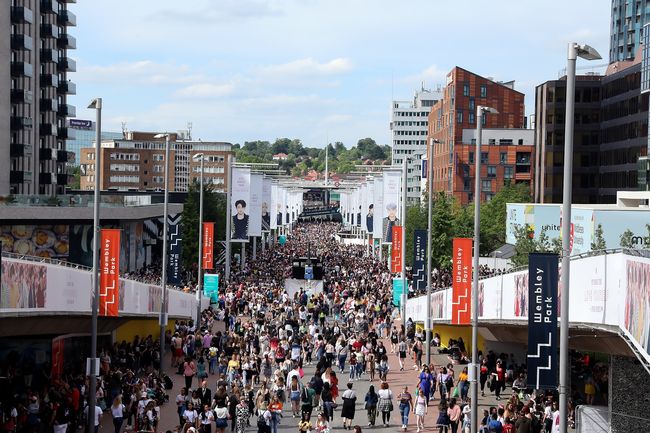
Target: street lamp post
[(163, 305), (588, 53), (429, 206), (405, 290), (93, 362), (480, 111), (201, 157)]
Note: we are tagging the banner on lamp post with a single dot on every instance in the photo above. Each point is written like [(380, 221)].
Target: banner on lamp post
[(461, 311), (109, 277), (420, 260), (541, 360), (175, 238), (398, 291), (396, 250), (211, 287), (208, 246)]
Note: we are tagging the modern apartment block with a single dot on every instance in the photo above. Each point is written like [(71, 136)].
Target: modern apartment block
[(34, 43), (137, 163), (84, 136), (626, 29), (455, 113), (409, 126)]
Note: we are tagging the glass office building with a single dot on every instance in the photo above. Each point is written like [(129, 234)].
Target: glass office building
[(85, 136)]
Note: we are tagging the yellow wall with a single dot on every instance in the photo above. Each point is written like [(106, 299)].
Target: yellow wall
[(452, 331), (142, 328)]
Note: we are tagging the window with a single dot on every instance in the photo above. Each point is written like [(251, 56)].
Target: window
[(508, 172), (90, 155), (503, 157), (157, 168), (471, 157), (124, 167), (486, 185), (492, 171), (492, 142), (159, 157), (125, 179), (466, 184), (472, 103), (465, 89), (465, 170), (505, 142), (483, 119), (483, 91), (157, 179), (459, 116), (484, 157), (472, 118)]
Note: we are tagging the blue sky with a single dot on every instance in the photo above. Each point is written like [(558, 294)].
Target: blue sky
[(242, 70)]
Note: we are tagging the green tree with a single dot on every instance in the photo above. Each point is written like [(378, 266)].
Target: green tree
[(493, 215), (599, 241), (524, 244), (441, 231), (626, 239), (214, 210), (75, 171), (463, 222)]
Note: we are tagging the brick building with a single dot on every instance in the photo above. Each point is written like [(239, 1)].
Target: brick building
[(508, 155)]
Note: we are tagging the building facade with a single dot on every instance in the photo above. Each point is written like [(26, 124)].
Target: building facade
[(627, 28), (409, 125), (84, 136), (33, 104), (550, 103), (456, 112), (138, 164)]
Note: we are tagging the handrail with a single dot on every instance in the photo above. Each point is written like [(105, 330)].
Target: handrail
[(38, 259)]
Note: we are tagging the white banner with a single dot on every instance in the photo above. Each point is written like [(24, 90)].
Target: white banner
[(391, 209), (266, 204), (240, 199), (369, 207), (255, 226), (276, 209)]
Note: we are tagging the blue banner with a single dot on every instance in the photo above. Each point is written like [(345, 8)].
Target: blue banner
[(398, 290), (542, 359), (420, 260), (174, 256), (211, 287)]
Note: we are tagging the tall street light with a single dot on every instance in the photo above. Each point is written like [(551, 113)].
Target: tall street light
[(480, 111), (430, 197), (163, 305), (587, 53), (200, 157), (93, 362)]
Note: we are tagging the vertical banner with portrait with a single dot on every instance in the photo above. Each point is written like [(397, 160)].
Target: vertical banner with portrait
[(637, 302), (420, 260), (396, 250), (240, 198), (461, 311), (369, 206), (109, 272), (541, 359), (284, 196), (378, 213), (255, 215), (266, 204), (175, 247), (358, 207), (58, 357), (276, 212), (391, 205), (208, 246)]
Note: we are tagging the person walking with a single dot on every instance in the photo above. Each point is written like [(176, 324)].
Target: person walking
[(443, 416), (385, 405), (426, 382), (189, 370), (454, 415), (347, 411), (117, 410), (405, 406), (463, 384), (372, 398), (421, 408), (275, 407), (294, 395), (401, 353)]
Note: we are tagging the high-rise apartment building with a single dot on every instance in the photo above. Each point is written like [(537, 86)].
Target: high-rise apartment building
[(626, 29), (455, 113), (84, 136), (137, 163), (34, 44), (409, 125)]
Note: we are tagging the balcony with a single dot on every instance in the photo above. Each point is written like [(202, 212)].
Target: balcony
[(67, 64), (22, 43), (22, 69), (48, 104), (17, 150), (68, 87), (66, 134), (48, 7), (48, 129), (50, 31), (49, 80), (64, 179), (21, 96), (67, 110), (20, 122), (67, 18), (65, 156), (21, 15), (49, 56), (16, 176), (67, 41), (45, 153), (47, 178)]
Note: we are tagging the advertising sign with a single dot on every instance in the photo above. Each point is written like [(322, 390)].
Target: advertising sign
[(542, 320), (211, 287), (266, 204), (208, 246), (175, 247), (378, 212), (396, 250), (241, 199), (398, 291), (462, 282), (420, 260), (109, 267), (255, 227), (391, 205)]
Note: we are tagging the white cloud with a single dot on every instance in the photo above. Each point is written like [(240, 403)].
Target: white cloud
[(140, 72), (308, 67), (205, 91), (223, 11), (430, 76)]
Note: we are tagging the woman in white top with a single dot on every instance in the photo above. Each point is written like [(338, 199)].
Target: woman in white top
[(190, 416), (117, 410), (206, 418)]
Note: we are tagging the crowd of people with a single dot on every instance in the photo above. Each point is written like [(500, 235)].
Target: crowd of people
[(264, 352)]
